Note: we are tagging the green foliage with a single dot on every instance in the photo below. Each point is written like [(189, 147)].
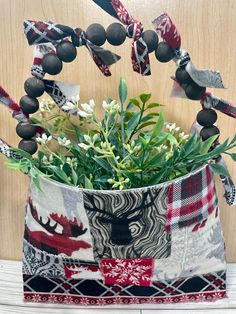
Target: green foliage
[(131, 146)]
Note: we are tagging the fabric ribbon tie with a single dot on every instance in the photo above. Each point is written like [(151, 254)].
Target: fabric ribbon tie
[(134, 29), (228, 184), (6, 100), (211, 101), (165, 27), (38, 33), (63, 95), (5, 149), (167, 30)]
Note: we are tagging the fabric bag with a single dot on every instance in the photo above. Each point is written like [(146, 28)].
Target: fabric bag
[(158, 244)]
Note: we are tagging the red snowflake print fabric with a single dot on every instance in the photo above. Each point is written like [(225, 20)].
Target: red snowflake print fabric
[(131, 271), (167, 30)]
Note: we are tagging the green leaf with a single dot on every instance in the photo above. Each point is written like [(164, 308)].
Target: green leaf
[(122, 90), (154, 105), (172, 139), (87, 183), (74, 176), (135, 102), (57, 171), (78, 132), (189, 145), (145, 97), (155, 161), (132, 124), (130, 106), (22, 153), (220, 170), (143, 125), (233, 156), (208, 143), (158, 127), (156, 178), (102, 163)]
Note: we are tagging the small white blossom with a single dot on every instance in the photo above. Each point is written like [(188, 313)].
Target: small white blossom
[(69, 106), (84, 146), (95, 137), (63, 141), (75, 99), (71, 161), (87, 138), (111, 107), (46, 105), (84, 114), (87, 108), (44, 139)]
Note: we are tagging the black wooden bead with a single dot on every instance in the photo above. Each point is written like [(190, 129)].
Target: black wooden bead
[(182, 76), (96, 34), (77, 42), (116, 34), (29, 104), (206, 117), (194, 91), (51, 64), (30, 146), (34, 87), (151, 39), (164, 53), (25, 130), (66, 51), (207, 132)]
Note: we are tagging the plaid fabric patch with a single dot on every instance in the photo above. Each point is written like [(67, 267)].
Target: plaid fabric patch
[(191, 200)]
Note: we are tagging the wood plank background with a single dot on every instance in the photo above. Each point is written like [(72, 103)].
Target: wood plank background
[(208, 33)]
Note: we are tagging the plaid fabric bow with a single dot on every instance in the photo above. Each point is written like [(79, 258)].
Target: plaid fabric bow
[(38, 33), (211, 101), (167, 30), (5, 149), (139, 50), (6, 100), (191, 200)]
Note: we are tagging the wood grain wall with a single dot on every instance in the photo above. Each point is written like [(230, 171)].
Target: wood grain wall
[(208, 33)]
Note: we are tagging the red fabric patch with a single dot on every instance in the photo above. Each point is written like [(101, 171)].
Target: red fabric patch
[(131, 271), (167, 30)]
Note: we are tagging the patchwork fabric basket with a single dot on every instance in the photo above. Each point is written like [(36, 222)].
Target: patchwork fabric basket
[(159, 244)]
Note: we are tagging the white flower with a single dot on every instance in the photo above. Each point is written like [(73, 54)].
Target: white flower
[(87, 138), (87, 111), (44, 139), (47, 159), (75, 99), (91, 103), (87, 108), (68, 106), (111, 107), (46, 105), (84, 146), (84, 114), (72, 161), (63, 141)]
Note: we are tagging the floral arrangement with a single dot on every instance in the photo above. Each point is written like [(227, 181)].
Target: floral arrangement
[(131, 146)]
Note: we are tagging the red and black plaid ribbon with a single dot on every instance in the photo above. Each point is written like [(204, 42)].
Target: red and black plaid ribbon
[(139, 51), (38, 32), (6, 100)]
